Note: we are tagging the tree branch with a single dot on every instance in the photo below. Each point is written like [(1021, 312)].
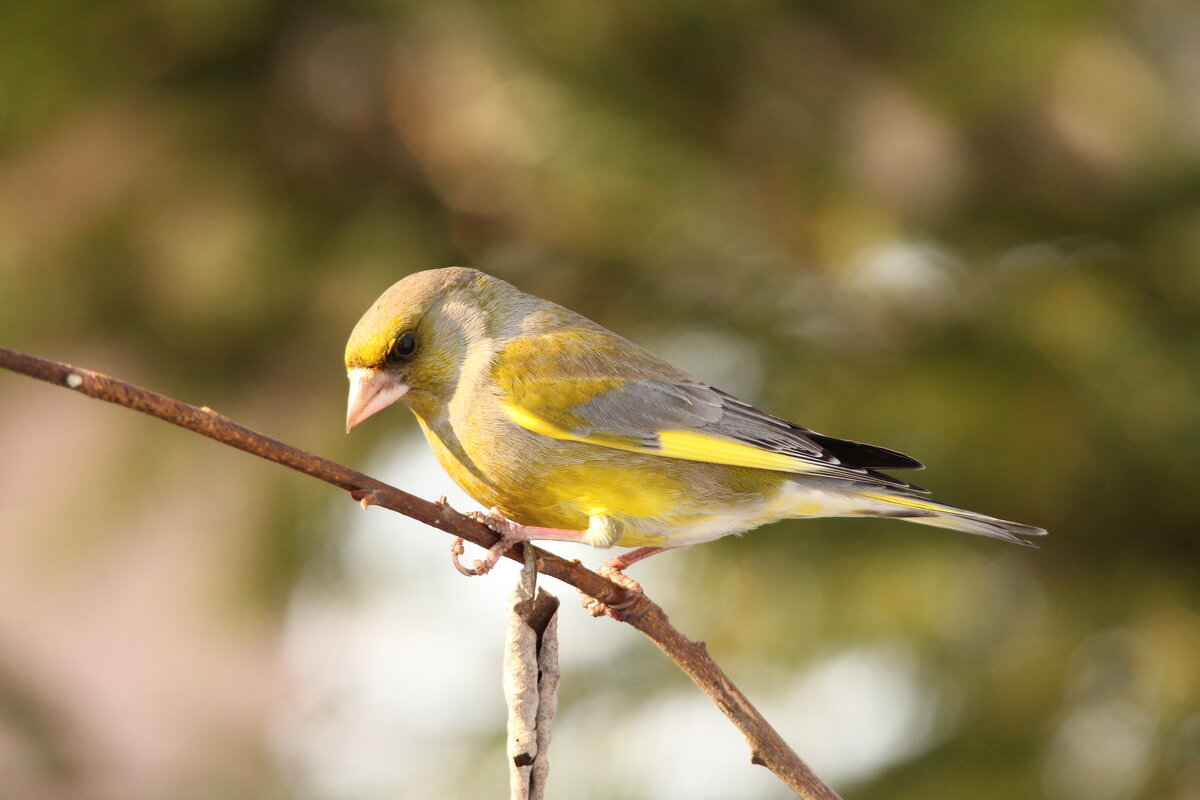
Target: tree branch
[(767, 748)]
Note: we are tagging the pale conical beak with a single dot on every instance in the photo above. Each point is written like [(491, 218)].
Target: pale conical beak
[(371, 391)]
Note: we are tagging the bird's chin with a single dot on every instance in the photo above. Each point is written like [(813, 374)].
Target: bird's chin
[(371, 391)]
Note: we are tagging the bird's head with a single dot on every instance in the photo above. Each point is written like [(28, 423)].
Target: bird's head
[(412, 343)]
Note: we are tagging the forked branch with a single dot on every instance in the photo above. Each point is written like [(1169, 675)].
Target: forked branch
[(766, 746)]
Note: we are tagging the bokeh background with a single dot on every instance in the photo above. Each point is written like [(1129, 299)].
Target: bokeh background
[(969, 231)]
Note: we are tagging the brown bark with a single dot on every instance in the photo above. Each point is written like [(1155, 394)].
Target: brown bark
[(767, 748)]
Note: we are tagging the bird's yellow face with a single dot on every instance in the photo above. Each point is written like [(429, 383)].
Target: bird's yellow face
[(379, 366), (411, 344)]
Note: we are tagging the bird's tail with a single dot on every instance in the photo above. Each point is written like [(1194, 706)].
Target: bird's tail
[(901, 505)]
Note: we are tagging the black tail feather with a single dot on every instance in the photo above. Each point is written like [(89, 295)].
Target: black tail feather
[(869, 456)]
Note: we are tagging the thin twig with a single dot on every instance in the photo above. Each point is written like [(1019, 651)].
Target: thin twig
[(767, 748)]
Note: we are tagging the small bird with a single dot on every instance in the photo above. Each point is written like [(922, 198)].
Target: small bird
[(569, 432)]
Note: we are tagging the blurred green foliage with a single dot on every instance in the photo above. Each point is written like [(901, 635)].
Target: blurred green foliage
[(969, 231)]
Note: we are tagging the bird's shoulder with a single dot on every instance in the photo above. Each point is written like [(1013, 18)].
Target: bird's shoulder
[(562, 361)]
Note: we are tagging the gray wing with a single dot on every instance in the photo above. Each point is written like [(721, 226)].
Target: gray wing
[(640, 409)]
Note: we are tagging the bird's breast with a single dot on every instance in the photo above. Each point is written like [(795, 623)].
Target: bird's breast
[(546, 482)]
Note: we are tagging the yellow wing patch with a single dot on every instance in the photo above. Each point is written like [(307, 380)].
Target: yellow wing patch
[(532, 422), (912, 502), (687, 445), (695, 446)]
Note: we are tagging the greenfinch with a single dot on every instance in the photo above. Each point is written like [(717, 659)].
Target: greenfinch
[(569, 432)]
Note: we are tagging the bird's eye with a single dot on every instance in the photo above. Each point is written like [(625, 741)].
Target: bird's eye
[(403, 348)]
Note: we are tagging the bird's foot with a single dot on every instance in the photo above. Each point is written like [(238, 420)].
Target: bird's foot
[(510, 533), (613, 572)]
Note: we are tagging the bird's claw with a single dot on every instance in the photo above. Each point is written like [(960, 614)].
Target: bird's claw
[(615, 610), (615, 575), (509, 533), (456, 550)]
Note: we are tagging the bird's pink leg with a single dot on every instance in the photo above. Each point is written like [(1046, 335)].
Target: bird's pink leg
[(613, 570), (510, 533)]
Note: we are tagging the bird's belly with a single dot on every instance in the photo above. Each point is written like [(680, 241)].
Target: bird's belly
[(736, 513), (570, 495)]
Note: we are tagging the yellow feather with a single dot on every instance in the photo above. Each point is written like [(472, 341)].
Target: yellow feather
[(695, 446), (909, 502), (687, 445), (532, 422)]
